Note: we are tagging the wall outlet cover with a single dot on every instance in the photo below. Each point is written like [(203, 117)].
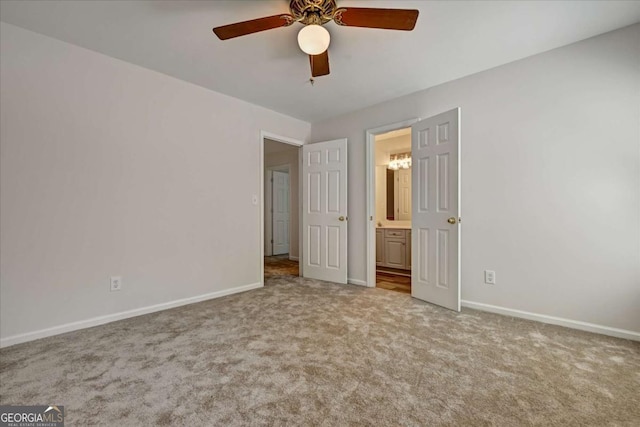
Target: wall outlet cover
[(115, 283), (490, 277)]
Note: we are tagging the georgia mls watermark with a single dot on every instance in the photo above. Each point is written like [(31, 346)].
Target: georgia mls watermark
[(32, 416)]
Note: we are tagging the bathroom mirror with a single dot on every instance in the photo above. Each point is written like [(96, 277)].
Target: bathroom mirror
[(398, 192)]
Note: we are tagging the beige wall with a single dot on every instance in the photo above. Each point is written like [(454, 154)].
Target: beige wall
[(550, 179), (111, 169), (290, 157)]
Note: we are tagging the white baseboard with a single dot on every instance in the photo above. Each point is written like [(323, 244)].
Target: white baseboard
[(101, 320), (356, 282), (574, 324), (293, 258)]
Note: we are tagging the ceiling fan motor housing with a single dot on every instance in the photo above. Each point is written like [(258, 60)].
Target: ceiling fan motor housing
[(317, 12)]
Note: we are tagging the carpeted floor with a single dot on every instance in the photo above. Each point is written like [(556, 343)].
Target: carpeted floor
[(302, 352)]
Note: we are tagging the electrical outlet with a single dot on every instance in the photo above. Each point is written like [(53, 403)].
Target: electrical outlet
[(490, 277), (116, 283)]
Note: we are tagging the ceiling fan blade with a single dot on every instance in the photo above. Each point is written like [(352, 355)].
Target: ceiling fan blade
[(388, 19), (255, 25), (319, 64)]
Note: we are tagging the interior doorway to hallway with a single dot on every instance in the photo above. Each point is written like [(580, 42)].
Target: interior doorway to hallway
[(281, 212)]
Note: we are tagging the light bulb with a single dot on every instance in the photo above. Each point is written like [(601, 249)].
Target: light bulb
[(313, 39)]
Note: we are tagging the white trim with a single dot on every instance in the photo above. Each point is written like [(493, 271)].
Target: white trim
[(101, 320), (281, 168), (459, 207), (371, 197), (293, 258), (268, 201), (280, 138), (285, 140), (357, 282), (573, 324)]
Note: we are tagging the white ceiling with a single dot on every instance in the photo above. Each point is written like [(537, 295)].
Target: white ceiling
[(451, 39)]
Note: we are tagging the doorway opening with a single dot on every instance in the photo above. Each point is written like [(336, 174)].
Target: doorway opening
[(392, 213), (389, 232), (280, 234)]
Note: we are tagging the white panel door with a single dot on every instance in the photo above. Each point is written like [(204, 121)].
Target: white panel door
[(435, 232), (404, 194), (280, 206), (324, 211)]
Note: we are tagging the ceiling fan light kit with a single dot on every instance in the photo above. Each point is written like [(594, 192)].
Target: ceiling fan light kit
[(314, 39)]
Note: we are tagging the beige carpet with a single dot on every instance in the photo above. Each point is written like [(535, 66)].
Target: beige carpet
[(300, 352)]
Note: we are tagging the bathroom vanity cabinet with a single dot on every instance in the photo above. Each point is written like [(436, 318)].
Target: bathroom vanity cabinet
[(393, 248)]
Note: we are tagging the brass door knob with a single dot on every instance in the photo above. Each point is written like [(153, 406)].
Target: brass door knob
[(451, 220), (341, 218)]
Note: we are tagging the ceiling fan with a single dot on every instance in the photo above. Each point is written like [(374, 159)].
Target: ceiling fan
[(314, 39)]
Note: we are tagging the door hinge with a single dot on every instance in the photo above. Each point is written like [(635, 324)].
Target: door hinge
[(271, 240)]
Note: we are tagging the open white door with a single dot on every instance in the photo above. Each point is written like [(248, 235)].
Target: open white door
[(435, 274), (280, 212), (324, 210)]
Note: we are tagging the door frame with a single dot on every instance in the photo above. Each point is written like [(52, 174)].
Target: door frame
[(370, 179), (285, 140), (268, 214)]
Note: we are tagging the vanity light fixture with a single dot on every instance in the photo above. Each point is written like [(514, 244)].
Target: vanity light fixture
[(399, 161)]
